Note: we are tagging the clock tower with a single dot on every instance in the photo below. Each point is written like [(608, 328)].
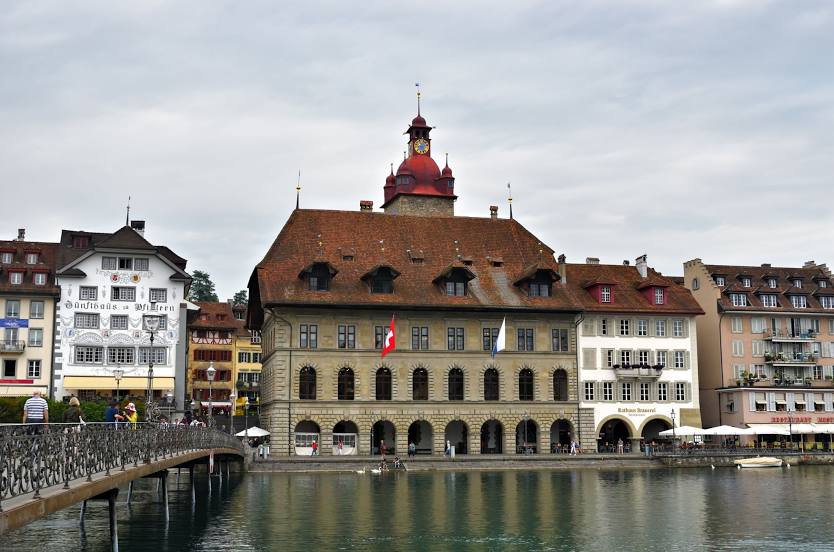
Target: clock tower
[(420, 187)]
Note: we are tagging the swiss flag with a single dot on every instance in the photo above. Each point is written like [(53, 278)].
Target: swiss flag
[(389, 344)]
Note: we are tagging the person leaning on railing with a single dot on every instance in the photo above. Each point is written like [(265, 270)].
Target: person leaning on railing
[(36, 413)]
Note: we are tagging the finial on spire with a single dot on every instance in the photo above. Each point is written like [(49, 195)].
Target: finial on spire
[(447, 158), (417, 84), (404, 155), (392, 168), (298, 189), (127, 215), (510, 198)]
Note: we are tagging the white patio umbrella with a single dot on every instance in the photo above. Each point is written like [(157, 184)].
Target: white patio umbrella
[(728, 430), (253, 431), (766, 429), (682, 431)]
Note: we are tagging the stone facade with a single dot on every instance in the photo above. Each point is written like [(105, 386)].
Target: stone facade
[(423, 206), (283, 362)]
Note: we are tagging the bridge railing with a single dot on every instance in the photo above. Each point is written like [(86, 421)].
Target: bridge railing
[(36, 457)]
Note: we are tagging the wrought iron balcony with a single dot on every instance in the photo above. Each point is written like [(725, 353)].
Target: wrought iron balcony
[(790, 337), (12, 346), (790, 359), (638, 371)]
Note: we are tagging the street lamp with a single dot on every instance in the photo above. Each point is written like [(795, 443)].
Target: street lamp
[(118, 373), (673, 427), (152, 326), (232, 413), (524, 417), (210, 374)]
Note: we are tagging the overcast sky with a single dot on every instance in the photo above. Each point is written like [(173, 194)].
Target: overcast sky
[(677, 129)]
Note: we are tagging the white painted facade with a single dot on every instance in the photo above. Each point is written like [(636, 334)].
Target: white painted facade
[(636, 396), (100, 324)]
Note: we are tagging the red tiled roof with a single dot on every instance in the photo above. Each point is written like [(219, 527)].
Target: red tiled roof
[(46, 264), (810, 275), (214, 312), (627, 296)]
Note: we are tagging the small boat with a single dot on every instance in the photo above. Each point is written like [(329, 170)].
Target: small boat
[(759, 462)]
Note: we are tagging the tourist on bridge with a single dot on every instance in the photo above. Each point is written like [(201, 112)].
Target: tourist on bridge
[(36, 413), (111, 413), (73, 414), (131, 415), (619, 446)]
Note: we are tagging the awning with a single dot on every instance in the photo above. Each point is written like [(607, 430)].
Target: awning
[(107, 382), (799, 400)]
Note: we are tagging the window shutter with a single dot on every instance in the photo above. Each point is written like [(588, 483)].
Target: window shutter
[(686, 362), (688, 391), (829, 403), (652, 327), (686, 328), (826, 349), (589, 358), (588, 327), (651, 357), (771, 401), (789, 399), (752, 401), (809, 401)]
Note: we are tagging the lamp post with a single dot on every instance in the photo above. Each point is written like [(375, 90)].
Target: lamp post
[(118, 373), (674, 439), (210, 374), (790, 425), (152, 326), (524, 417)]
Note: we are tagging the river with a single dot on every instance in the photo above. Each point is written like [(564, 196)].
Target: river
[(651, 510)]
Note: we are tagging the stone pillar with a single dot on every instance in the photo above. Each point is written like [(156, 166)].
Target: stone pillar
[(326, 441), (401, 439), (635, 444), (475, 440)]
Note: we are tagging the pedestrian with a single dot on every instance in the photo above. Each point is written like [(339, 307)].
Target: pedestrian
[(131, 415), (36, 414), (448, 451), (382, 449), (111, 413), (412, 450), (339, 447), (315, 447), (573, 447), (73, 414), (619, 446)]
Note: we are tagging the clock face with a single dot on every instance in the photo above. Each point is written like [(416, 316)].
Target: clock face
[(421, 146)]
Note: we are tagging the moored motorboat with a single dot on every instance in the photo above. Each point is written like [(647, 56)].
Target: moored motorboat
[(759, 462)]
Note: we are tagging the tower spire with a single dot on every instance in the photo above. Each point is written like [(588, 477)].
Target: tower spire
[(298, 189), (510, 198), (127, 215), (417, 84)]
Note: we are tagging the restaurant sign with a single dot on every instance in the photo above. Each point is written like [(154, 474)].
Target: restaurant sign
[(636, 411), (801, 419), (13, 323)]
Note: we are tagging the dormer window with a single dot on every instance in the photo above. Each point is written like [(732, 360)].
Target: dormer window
[(738, 299), (380, 279), (80, 242), (605, 294), (822, 284), (659, 296), (769, 300), (799, 301), (797, 283), (15, 278), (6, 257), (31, 258), (383, 281), (456, 288), (720, 281), (746, 281), (771, 283), (317, 276), (454, 279)]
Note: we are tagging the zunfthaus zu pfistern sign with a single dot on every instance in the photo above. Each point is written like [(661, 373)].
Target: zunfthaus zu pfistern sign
[(119, 306)]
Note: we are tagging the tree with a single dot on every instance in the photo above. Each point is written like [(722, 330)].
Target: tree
[(202, 288), (241, 298)]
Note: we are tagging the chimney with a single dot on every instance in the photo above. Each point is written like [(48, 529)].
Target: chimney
[(366, 205), (626, 263), (563, 272), (591, 260), (765, 265), (809, 264), (493, 211), (21, 234), (138, 226), (642, 265)]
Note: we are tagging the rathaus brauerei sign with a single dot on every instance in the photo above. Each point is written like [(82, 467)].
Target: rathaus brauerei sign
[(636, 411)]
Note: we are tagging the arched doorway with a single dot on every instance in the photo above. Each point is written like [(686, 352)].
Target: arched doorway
[(611, 432), (561, 434), (383, 431), (421, 434), (306, 432), (526, 437), (652, 429), (492, 437), (345, 433), (457, 434)]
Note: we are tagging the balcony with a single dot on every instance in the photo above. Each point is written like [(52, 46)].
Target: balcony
[(638, 371), (790, 359), (790, 337), (12, 346)]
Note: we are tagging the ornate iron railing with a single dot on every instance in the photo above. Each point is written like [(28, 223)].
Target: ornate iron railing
[(33, 458)]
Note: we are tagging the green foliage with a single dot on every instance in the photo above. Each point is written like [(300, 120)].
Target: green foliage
[(241, 298), (202, 288)]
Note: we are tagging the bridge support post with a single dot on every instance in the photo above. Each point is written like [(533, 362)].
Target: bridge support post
[(114, 527), (191, 481), (129, 492), (83, 511), (164, 481)]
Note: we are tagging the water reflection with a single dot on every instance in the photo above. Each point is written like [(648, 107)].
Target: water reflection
[(653, 510)]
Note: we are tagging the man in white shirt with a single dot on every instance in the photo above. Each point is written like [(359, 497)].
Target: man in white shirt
[(36, 413)]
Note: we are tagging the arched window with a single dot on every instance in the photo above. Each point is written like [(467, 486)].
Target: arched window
[(455, 384), (560, 385), (307, 383), (420, 384), (491, 392), (345, 391), (525, 385), (383, 384)]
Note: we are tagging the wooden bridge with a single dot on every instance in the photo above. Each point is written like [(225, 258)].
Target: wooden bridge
[(47, 471)]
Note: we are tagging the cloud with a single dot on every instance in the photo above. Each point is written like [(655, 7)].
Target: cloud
[(625, 127)]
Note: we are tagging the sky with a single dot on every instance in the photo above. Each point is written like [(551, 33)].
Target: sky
[(675, 129)]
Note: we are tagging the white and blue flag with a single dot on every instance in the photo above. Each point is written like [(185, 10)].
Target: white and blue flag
[(501, 340)]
